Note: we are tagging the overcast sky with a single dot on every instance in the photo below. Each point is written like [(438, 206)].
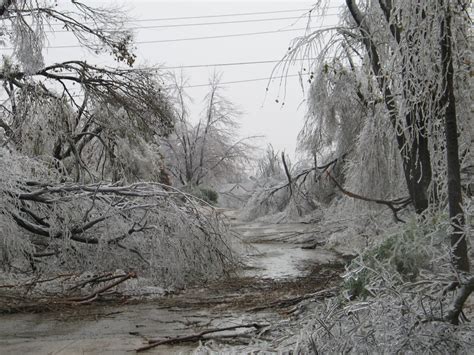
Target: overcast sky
[(279, 123)]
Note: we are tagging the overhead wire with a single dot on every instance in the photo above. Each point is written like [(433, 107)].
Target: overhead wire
[(223, 64), (226, 36), (207, 23), (211, 65), (243, 81), (216, 37), (234, 81), (218, 15), (198, 38), (204, 23)]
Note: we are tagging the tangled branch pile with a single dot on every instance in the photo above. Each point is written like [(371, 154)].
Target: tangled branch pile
[(149, 228)]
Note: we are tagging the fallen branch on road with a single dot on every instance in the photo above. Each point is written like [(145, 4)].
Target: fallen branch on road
[(14, 298), (287, 302), (94, 295), (195, 337)]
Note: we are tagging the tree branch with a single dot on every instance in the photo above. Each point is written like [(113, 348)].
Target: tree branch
[(287, 173), (395, 205), (195, 337), (457, 306)]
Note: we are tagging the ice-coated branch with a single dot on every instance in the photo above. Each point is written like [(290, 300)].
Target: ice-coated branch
[(465, 290)]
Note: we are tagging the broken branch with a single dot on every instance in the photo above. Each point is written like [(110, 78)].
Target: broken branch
[(97, 293), (463, 294), (195, 337), (395, 205)]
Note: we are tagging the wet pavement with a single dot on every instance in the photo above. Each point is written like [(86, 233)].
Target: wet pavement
[(276, 269)]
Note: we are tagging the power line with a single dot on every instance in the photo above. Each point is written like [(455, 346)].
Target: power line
[(227, 36), (206, 23), (157, 69), (243, 81), (211, 65), (223, 64), (219, 15), (234, 81), (228, 22), (198, 38)]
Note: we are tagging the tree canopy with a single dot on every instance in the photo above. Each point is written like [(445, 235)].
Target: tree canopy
[(391, 89)]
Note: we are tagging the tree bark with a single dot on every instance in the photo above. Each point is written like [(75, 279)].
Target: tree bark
[(414, 153), (417, 166), (456, 214), (287, 172), (4, 7)]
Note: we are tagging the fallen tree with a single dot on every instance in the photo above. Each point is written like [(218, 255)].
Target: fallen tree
[(151, 228)]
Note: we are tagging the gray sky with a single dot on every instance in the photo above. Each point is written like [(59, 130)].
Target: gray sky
[(261, 114)]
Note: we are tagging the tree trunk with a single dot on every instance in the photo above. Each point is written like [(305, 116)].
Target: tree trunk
[(417, 171), (415, 153), (458, 236)]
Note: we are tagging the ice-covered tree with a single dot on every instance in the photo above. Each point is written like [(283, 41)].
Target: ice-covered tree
[(384, 83), (93, 122), (206, 150), (80, 160)]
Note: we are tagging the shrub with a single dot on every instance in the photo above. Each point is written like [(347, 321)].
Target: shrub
[(403, 254), (204, 193), (209, 195)]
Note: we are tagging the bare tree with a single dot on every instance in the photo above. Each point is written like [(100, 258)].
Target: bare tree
[(269, 165), (206, 150)]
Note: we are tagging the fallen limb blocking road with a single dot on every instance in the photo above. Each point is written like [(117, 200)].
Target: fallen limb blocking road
[(75, 228)]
